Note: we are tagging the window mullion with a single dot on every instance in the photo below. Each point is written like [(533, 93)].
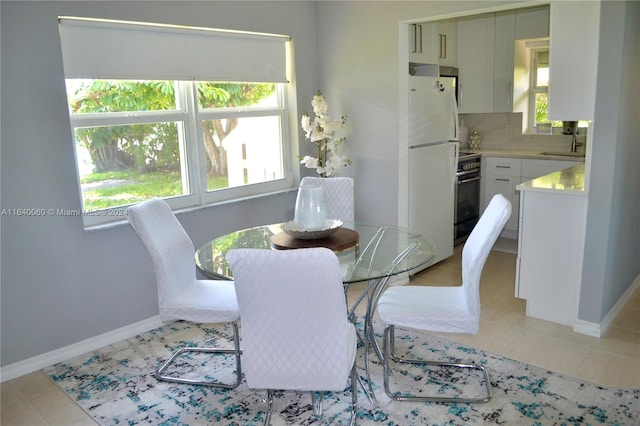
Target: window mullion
[(191, 136), (119, 118), (210, 114), (197, 169)]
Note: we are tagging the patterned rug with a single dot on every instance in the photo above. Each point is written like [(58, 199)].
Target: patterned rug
[(115, 385)]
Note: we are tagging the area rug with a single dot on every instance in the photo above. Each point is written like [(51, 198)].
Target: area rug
[(116, 385)]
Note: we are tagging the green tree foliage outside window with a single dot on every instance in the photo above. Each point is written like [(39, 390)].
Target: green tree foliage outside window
[(140, 142), (149, 147)]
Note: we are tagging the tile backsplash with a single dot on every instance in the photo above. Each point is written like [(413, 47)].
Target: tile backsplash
[(503, 131)]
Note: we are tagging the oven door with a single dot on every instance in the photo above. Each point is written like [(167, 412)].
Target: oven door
[(467, 206)]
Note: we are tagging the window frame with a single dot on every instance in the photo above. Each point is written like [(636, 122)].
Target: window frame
[(535, 89), (106, 49), (192, 154), (208, 197)]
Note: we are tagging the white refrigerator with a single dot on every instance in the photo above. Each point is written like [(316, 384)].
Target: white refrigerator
[(433, 159)]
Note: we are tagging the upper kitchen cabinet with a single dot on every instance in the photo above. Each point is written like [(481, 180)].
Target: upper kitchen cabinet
[(447, 43), (486, 45), (422, 43), (573, 59), (505, 35), (532, 22), (475, 62), (433, 43)]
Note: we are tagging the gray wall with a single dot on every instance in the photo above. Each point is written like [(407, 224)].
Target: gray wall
[(612, 247), (61, 284)]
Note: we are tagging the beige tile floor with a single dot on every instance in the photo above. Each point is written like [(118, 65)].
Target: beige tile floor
[(612, 360)]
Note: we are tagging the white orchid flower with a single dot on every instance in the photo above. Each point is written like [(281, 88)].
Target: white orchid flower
[(322, 132), (309, 162), (305, 122), (316, 135), (319, 104)]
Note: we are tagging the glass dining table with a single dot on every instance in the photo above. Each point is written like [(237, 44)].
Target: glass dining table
[(376, 252), (367, 253)]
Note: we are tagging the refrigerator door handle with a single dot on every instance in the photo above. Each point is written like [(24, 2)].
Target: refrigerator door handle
[(454, 166), (456, 125)]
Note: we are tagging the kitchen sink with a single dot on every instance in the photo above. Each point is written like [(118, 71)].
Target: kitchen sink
[(564, 153)]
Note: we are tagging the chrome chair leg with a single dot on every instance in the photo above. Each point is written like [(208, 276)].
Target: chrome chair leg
[(316, 399), (369, 388), (235, 351), (354, 395), (372, 293), (269, 400), (389, 355)]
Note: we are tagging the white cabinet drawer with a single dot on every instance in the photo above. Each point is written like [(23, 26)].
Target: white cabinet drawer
[(498, 166), (532, 169), (505, 185)]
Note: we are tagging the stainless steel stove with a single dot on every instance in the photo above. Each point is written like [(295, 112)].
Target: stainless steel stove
[(467, 197)]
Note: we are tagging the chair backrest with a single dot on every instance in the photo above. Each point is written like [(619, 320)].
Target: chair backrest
[(339, 194), (168, 244), (478, 246), (295, 330)]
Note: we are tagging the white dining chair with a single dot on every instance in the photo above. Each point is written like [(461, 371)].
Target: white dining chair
[(339, 193), (295, 332), (181, 296), (442, 308)]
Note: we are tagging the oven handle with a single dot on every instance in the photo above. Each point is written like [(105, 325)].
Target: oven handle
[(467, 173), (473, 179)]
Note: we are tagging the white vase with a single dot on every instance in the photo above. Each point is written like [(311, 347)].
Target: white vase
[(311, 212)]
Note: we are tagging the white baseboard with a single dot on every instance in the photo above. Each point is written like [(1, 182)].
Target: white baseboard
[(506, 245), (35, 363), (588, 328), (598, 329)]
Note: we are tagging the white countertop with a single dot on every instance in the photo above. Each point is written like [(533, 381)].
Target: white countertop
[(567, 181), (537, 155)]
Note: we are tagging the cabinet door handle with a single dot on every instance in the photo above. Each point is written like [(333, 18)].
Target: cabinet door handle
[(415, 38), (502, 167), (503, 180), (444, 38), (509, 93)]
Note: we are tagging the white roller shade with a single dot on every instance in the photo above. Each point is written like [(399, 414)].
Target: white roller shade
[(131, 50)]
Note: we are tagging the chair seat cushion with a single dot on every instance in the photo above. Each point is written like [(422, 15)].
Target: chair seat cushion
[(441, 309), (327, 370), (203, 301)]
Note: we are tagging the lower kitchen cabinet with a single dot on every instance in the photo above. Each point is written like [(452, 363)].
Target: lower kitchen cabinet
[(501, 175), (532, 169), (505, 185), (550, 251)]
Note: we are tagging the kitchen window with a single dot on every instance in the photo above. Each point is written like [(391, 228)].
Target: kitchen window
[(164, 111), (539, 97)]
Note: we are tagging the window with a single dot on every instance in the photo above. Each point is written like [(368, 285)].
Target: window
[(539, 97), (146, 125)]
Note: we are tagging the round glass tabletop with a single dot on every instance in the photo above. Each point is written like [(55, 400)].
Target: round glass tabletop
[(376, 252)]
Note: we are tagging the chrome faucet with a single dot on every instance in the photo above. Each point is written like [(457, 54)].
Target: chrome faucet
[(574, 142)]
